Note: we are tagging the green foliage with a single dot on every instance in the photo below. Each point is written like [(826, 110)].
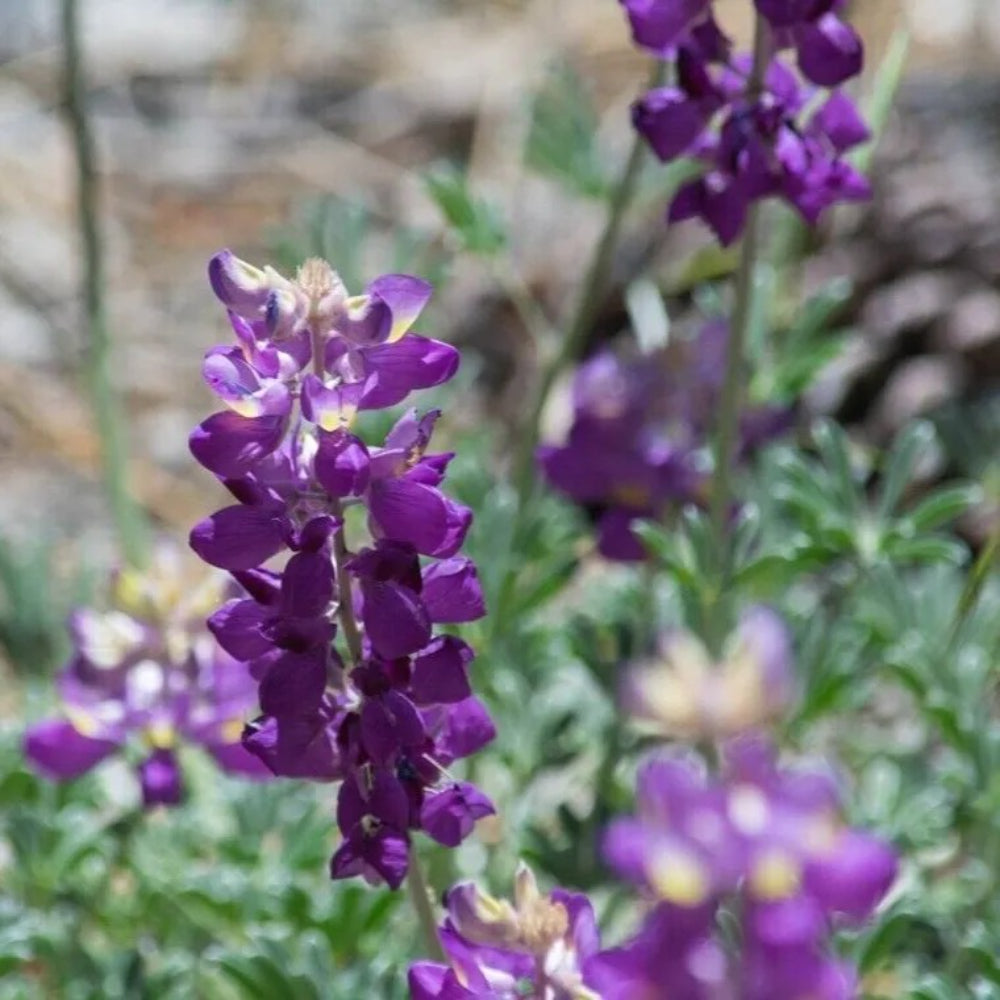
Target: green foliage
[(35, 597), (473, 221), (562, 141)]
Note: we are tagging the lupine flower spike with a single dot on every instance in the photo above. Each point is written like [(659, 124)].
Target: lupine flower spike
[(388, 712), (146, 676), (783, 137)]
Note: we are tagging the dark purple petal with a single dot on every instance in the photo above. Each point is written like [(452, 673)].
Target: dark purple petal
[(294, 746), (231, 446), (409, 512), (390, 724), (160, 778), (399, 368), (669, 121), (236, 759), (238, 626), (294, 683), (240, 537), (449, 816), (60, 752), (380, 856), (658, 25), (440, 672), (464, 729), (830, 51), (307, 585), (395, 620), (342, 464), (840, 121), (451, 591)]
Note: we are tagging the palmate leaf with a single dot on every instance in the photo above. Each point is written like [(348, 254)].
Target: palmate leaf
[(562, 141), (473, 220)]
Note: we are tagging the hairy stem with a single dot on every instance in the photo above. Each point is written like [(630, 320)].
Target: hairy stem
[(731, 402), (420, 897), (345, 605), (588, 300), (129, 520)]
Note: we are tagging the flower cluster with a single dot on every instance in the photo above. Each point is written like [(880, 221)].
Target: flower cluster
[(759, 128), (145, 671), (638, 444), (765, 841), (536, 947), (389, 712)]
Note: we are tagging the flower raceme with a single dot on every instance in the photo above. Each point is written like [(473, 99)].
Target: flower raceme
[(145, 672), (757, 132), (388, 711), (767, 842)]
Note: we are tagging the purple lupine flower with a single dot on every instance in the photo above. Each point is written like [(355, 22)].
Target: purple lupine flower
[(754, 140), (390, 711), (497, 950), (638, 445), (146, 672), (769, 839)]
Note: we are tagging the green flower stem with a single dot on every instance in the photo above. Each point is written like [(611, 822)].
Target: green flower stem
[(129, 520), (345, 606), (420, 896), (731, 403), (589, 298)]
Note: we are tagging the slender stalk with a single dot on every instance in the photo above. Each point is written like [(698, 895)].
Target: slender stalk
[(345, 607), (108, 416), (420, 896), (588, 300), (731, 403)]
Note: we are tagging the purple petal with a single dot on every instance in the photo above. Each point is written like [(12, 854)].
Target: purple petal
[(231, 446), (449, 816), (451, 591), (342, 464), (237, 626), (60, 752), (160, 778), (395, 620), (440, 672), (294, 683), (398, 368), (294, 746), (830, 51), (669, 121), (405, 296), (236, 759), (241, 536)]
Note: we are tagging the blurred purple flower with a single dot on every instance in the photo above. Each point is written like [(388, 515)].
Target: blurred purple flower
[(146, 671), (638, 444)]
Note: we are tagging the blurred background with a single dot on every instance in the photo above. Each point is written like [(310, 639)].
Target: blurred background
[(278, 128)]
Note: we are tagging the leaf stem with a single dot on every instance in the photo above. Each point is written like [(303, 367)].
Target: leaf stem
[(731, 402), (420, 897), (589, 297), (128, 517)]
